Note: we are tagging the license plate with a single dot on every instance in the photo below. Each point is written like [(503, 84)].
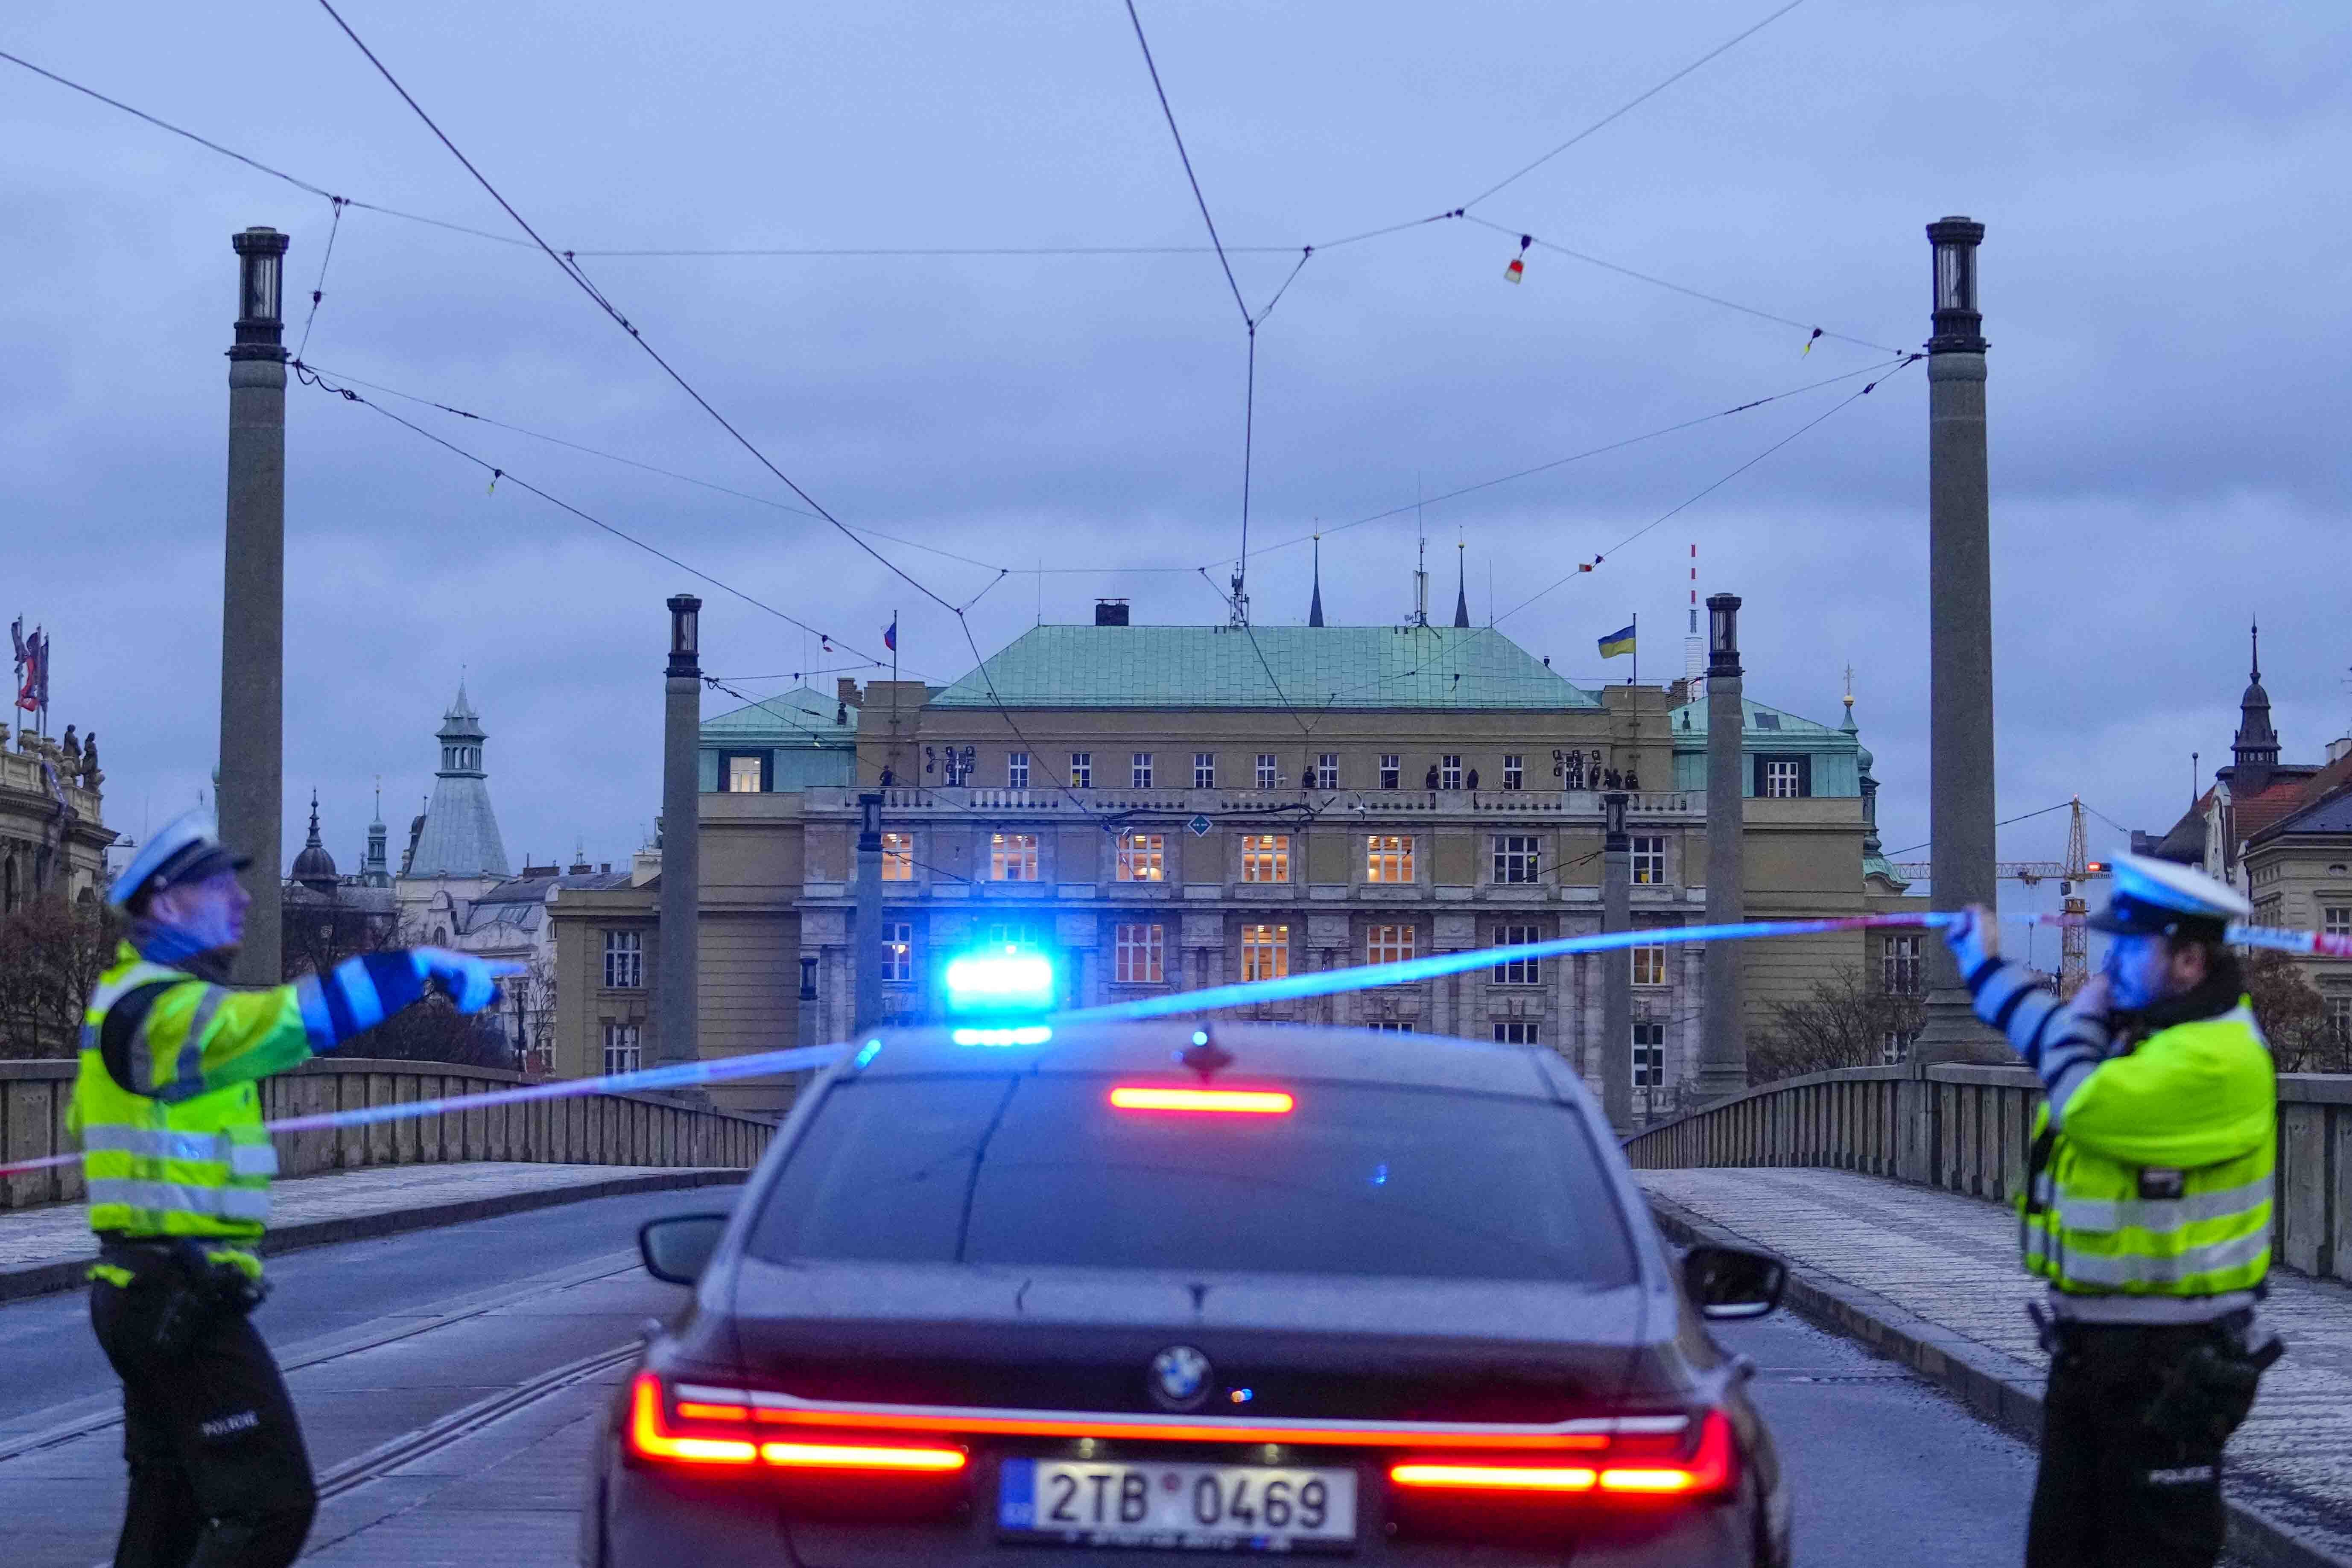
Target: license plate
[(1200, 1508)]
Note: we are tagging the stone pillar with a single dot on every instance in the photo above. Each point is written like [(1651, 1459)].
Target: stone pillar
[(1616, 968), (865, 931), (249, 792), (1960, 638), (1723, 1050), (681, 863)]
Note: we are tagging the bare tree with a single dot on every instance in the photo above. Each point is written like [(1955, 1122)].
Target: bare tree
[(1841, 1021), (52, 952), (2294, 1016)]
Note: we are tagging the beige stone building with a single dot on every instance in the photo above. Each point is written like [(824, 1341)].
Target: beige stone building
[(1167, 807), (52, 837)]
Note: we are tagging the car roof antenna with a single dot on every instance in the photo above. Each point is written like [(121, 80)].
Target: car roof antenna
[(1204, 1055)]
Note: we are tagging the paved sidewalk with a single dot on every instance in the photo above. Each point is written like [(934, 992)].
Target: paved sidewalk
[(1933, 1278), (48, 1248)]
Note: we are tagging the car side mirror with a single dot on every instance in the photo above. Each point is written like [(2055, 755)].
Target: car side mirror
[(1733, 1282), (678, 1247)]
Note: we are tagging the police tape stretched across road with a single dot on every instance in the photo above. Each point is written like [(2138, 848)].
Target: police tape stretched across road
[(1324, 983)]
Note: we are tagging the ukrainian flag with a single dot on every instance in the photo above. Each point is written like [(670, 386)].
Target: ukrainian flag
[(1617, 642)]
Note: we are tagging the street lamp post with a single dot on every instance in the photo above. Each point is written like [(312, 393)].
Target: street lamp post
[(1960, 635), (1723, 1046), (682, 846), (249, 789)]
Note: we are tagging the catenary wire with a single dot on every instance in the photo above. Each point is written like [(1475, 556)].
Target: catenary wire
[(310, 377), (318, 289), (1576, 457), (1681, 506), (1632, 103)]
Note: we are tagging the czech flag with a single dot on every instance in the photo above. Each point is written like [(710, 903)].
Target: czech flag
[(1617, 642), (890, 635)]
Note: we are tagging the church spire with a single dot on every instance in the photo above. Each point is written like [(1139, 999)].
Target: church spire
[(1315, 609), (2255, 748), (1461, 585)]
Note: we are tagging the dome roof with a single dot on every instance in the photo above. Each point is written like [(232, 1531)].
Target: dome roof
[(314, 866)]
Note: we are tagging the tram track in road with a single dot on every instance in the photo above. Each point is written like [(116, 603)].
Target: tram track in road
[(89, 1416)]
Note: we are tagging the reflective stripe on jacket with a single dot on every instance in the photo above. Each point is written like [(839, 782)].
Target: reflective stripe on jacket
[(175, 1145), (2157, 1178)]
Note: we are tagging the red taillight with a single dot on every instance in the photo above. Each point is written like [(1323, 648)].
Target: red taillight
[(1707, 1470), (1226, 1101), (707, 1435)]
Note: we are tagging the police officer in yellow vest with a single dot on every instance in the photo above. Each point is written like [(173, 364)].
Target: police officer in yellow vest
[(2148, 1210), (178, 1172)]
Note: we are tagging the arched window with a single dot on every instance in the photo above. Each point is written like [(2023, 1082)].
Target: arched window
[(440, 936)]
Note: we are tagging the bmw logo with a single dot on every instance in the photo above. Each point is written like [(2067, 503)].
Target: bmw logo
[(1180, 1378)]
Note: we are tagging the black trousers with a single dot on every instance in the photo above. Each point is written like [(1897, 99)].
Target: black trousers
[(219, 1477), (2113, 1491)]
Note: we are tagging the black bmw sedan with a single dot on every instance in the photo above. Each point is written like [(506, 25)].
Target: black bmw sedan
[(1149, 1293)]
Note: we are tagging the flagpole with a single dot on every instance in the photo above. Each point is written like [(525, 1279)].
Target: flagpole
[(1635, 678), (894, 651)]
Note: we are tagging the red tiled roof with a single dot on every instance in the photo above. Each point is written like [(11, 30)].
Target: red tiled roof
[(2283, 800)]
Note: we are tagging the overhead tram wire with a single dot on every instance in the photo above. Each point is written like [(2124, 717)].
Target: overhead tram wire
[(1894, 363), (309, 377), (875, 251), (1679, 508), (656, 468)]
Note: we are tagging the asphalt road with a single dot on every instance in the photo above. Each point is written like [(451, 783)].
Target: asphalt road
[(404, 1331)]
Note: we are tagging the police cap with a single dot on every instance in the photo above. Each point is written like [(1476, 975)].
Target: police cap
[(2162, 898), (185, 849)]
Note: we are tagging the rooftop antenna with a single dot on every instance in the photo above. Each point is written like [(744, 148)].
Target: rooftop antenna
[(1694, 642), (1420, 562)]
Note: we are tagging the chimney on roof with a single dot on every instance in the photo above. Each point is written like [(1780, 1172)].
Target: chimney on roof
[(1110, 611)]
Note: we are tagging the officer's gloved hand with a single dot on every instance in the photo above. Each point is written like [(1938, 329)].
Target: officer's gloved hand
[(469, 982), (1973, 936)]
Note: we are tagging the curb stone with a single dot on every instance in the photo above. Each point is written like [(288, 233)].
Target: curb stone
[(2000, 1390), (67, 1274)]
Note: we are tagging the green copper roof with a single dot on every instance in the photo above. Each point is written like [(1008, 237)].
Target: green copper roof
[(1761, 722), (800, 715), (1221, 667)]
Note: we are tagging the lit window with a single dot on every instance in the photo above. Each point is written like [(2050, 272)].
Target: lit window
[(1082, 770), (1649, 1056), (1267, 770), (1390, 770), (1517, 971), (1515, 773), (1389, 944), (624, 1048), (1137, 955), (747, 773), (2336, 919), (1009, 933), (1204, 770), (624, 960), (1649, 965), (1265, 953), (1266, 856), (1016, 770), (1516, 1032), (1449, 771), (898, 951), (1899, 972), (1388, 858), (1142, 856), (1012, 857), (897, 857), (1139, 771), (1327, 771), (1518, 857), (1649, 860), (1783, 778)]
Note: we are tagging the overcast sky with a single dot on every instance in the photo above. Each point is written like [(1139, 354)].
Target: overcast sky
[(2165, 281)]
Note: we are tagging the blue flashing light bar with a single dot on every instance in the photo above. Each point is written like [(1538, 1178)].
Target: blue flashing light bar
[(1025, 1034), (1002, 979)]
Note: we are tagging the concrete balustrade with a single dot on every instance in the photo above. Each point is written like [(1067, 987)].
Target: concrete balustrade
[(587, 1130), (1968, 1129)]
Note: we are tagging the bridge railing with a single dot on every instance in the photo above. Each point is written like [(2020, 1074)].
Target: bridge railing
[(587, 1130), (1967, 1129)]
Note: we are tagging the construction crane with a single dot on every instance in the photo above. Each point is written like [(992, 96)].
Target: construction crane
[(2070, 874)]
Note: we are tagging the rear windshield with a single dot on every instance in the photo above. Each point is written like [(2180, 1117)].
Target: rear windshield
[(1041, 1171)]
